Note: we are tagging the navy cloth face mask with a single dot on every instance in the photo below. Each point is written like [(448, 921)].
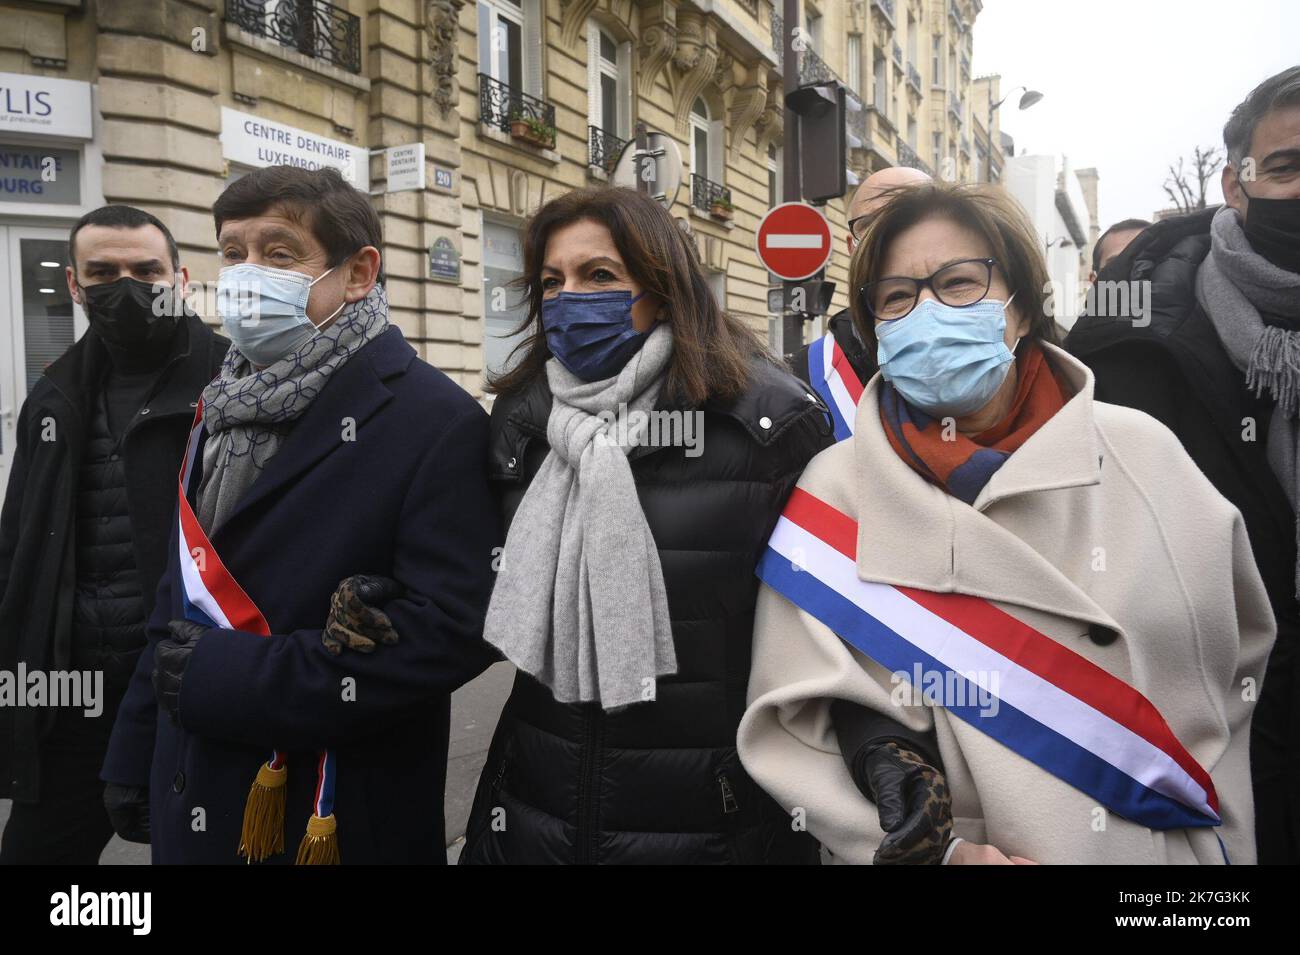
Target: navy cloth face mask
[(591, 333)]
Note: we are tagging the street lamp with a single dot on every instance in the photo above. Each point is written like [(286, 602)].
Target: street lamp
[(1027, 99)]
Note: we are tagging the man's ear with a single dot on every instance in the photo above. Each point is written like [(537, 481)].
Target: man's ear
[(361, 273), (71, 275), (1232, 193)]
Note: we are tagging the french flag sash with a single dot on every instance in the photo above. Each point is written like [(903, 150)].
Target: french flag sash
[(1054, 707), (212, 597), (835, 380)]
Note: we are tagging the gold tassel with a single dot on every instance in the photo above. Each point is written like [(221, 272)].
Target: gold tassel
[(320, 845), (262, 834)]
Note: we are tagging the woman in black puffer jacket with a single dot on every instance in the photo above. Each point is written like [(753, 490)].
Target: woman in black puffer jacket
[(587, 781)]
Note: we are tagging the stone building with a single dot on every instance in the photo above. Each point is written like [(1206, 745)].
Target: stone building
[(161, 103)]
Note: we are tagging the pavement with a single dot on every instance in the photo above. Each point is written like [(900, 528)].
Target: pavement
[(475, 708)]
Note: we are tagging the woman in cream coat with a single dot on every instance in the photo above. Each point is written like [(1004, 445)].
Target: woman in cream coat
[(1075, 604)]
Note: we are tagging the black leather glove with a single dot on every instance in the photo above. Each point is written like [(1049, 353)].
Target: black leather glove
[(171, 656), (354, 620), (913, 804), (128, 811)]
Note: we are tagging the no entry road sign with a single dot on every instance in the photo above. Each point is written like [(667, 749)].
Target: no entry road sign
[(794, 241)]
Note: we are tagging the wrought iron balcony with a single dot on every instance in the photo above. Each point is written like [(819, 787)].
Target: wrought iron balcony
[(956, 16), (705, 194), (914, 77), (778, 37), (813, 69), (886, 7), (603, 148), (312, 27), (500, 106), (907, 157)]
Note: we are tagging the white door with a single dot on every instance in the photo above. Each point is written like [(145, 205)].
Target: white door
[(38, 320)]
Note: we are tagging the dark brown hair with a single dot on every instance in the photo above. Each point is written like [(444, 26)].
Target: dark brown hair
[(338, 215), (711, 349), (988, 211)]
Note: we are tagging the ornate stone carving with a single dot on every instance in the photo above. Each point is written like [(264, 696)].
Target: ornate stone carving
[(658, 42), (442, 20), (748, 103), (573, 14), (770, 124), (695, 62)]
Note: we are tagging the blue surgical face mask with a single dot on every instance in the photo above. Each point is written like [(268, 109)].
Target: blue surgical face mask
[(264, 310), (946, 360), (591, 333)]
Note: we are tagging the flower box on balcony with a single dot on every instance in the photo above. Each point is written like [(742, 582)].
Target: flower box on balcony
[(722, 209), (533, 132)]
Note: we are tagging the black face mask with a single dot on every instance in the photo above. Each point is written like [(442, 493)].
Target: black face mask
[(1272, 228), (124, 315)]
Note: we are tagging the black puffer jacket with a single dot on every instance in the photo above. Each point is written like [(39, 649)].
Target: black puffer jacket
[(108, 605), (658, 782)]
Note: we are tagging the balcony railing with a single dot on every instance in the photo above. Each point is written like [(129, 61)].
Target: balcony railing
[(500, 106), (886, 7), (705, 193), (914, 77), (312, 27), (898, 54), (813, 69), (778, 37), (907, 157), (956, 16), (603, 148)]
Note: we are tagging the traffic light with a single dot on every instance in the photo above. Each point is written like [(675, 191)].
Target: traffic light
[(810, 297), (822, 139)]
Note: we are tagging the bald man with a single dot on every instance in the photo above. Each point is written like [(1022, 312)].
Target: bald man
[(858, 362)]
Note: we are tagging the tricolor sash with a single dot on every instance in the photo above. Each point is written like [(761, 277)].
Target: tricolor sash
[(212, 597), (833, 377), (1054, 707)]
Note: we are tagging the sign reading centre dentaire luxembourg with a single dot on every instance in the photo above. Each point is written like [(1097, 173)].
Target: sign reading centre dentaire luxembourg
[(253, 141)]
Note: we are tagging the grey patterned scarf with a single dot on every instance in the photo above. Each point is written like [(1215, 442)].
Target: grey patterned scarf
[(579, 601), (1234, 284), (248, 413)]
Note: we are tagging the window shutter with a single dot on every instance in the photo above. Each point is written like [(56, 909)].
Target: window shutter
[(534, 29)]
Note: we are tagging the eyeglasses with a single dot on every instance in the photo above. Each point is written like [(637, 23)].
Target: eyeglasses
[(957, 284), (858, 226)]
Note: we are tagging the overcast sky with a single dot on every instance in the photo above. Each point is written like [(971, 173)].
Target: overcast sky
[(1130, 85)]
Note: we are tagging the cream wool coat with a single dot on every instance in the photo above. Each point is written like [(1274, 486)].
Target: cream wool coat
[(1099, 518)]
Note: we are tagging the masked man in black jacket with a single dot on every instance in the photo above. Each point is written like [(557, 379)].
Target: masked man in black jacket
[(85, 524), (1196, 323)]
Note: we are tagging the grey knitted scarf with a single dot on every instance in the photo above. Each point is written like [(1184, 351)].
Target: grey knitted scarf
[(1234, 284), (248, 413), (579, 601)]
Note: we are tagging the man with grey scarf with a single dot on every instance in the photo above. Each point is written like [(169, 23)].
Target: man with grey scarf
[(332, 496), (1215, 356)]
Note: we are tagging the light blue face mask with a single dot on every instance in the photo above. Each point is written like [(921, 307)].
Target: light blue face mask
[(944, 359), (264, 310)]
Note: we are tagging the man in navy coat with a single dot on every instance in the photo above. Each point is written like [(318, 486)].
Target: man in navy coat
[(333, 468)]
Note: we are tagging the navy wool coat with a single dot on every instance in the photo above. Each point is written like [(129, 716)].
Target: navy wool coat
[(407, 498)]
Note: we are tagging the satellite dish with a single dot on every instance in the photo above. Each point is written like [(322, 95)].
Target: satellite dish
[(667, 159)]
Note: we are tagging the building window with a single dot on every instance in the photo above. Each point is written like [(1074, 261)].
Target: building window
[(703, 142), (609, 82), (937, 149), (911, 131), (812, 24), (936, 60), (774, 183), (880, 75), (855, 62), (509, 43), (913, 31)]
